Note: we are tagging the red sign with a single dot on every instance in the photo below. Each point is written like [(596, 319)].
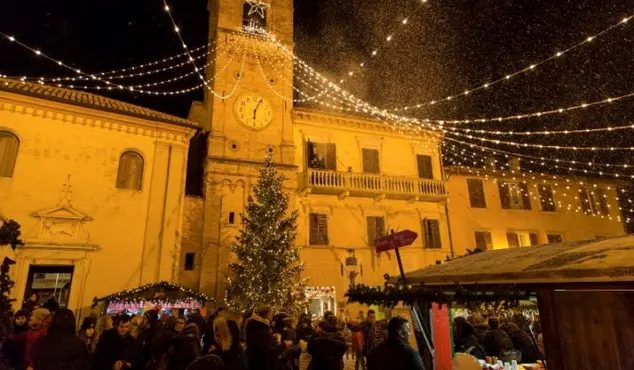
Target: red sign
[(394, 241)]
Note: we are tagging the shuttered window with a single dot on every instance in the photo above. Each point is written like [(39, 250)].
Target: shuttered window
[(483, 240), (318, 229), (321, 156), (476, 193), (546, 198), (371, 161), (376, 228), (431, 232), (594, 202), (130, 173), (521, 239), (9, 145), (425, 169), (514, 195)]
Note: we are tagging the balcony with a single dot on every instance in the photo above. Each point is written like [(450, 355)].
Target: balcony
[(345, 184)]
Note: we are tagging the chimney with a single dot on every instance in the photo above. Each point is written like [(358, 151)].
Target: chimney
[(514, 164)]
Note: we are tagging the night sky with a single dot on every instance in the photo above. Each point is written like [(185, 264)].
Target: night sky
[(447, 47)]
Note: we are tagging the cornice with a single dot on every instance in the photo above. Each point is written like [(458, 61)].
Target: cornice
[(316, 118), (106, 121)]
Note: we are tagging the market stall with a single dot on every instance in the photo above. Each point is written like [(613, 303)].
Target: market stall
[(584, 293), (166, 295)]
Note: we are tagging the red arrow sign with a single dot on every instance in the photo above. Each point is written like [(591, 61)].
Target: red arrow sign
[(395, 241)]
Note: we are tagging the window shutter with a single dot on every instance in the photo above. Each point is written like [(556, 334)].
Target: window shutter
[(603, 202), (371, 224), (380, 227), (331, 157), (314, 229), (130, 171), (323, 229), (371, 161), (585, 201), (425, 169), (505, 195), (310, 154), (526, 198), (483, 239), (9, 147), (431, 229), (534, 238), (511, 238), (476, 193)]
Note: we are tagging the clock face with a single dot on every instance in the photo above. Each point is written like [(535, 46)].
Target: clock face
[(253, 110)]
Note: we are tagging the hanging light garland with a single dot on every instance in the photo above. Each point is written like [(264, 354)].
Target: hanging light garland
[(159, 291)]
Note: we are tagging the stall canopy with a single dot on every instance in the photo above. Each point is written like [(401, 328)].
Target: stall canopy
[(163, 293), (604, 260)]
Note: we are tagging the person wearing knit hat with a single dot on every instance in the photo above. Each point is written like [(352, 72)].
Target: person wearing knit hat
[(88, 334)]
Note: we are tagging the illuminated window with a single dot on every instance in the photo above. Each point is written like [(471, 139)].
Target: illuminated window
[(9, 145), (522, 239), (594, 202), (514, 195), (254, 13), (130, 173)]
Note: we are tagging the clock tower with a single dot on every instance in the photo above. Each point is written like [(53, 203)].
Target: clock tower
[(247, 113)]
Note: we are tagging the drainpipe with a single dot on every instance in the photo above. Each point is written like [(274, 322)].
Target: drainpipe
[(444, 178), (218, 253), (162, 228)]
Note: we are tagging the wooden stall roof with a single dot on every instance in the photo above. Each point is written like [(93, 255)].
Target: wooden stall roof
[(602, 260)]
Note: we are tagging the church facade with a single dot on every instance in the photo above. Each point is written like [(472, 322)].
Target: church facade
[(97, 186)]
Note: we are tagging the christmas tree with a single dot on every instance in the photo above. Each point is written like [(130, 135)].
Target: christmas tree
[(267, 270), (9, 236)]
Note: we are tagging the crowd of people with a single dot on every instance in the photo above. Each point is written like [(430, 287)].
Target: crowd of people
[(45, 338), (506, 338)]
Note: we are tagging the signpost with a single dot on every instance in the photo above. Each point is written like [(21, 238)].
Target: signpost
[(395, 241)]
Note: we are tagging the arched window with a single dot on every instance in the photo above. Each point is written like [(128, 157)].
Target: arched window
[(130, 174), (9, 145)]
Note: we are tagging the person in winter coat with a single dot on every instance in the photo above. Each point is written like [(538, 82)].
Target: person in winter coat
[(395, 353), (465, 340), (88, 334), (357, 348), (304, 330), (327, 348), (14, 347), (38, 325), (208, 362), (493, 338), (150, 327), (261, 344), (289, 352), (60, 348), (185, 348), (209, 342), (31, 303), (116, 349), (369, 329), (162, 342), (522, 342), (229, 349)]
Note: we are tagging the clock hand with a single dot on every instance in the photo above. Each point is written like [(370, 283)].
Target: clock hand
[(256, 108)]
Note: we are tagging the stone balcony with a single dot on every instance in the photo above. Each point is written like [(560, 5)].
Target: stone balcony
[(345, 184)]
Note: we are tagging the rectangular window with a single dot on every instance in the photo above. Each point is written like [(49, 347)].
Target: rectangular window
[(431, 233), (546, 198), (254, 17), (321, 156), (371, 161), (514, 195), (554, 238), (521, 239), (425, 168), (594, 202), (376, 228), (476, 193), (318, 229), (483, 240), (190, 259), (232, 218)]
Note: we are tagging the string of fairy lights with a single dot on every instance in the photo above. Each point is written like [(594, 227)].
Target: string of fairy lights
[(324, 92)]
